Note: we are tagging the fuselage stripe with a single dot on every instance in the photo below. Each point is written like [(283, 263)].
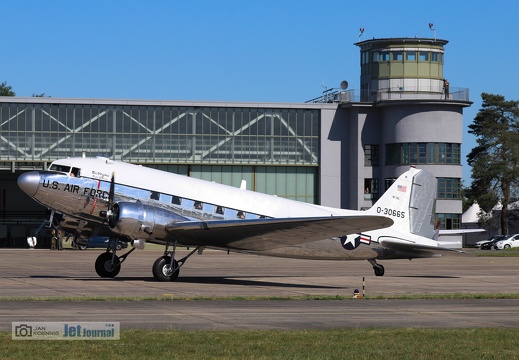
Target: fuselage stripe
[(95, 200)]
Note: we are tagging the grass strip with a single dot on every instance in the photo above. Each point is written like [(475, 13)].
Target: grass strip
[(361, 343), (512, 252)]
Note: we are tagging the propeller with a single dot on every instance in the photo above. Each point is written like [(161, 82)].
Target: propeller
[(112, 213)]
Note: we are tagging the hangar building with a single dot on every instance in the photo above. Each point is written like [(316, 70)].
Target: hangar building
[(342, 149)]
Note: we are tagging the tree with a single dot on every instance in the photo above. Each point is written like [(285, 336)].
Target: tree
[(6, 90), (495, 159)]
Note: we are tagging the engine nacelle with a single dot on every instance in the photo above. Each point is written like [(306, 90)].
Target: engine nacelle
[(139, 221)]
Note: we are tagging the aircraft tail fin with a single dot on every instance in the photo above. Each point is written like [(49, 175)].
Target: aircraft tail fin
[(410, 202)]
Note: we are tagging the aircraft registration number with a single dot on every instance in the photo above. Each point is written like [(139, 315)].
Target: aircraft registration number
[(390, 212)]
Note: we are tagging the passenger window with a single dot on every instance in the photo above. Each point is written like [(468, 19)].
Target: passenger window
[(154, 195)]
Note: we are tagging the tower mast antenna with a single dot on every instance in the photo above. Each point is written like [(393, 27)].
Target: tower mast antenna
[(433, 29)]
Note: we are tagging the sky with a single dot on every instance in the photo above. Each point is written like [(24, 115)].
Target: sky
[(244, 50)]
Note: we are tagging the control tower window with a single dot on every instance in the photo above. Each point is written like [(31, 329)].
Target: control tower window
[(424, 56), (397, 56), (410, 55), (365, 57)]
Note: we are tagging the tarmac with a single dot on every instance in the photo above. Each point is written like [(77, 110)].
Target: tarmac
[(68, 276)]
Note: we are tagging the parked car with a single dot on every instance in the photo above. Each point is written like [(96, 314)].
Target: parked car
[(510, 242), (481, 242), (98, 242), (490, 245)]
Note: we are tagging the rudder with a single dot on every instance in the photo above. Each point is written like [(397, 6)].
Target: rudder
[(410, 202)]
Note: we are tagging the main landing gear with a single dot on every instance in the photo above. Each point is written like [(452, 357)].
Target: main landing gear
[(108, 264), (166, 268), (379, 269)]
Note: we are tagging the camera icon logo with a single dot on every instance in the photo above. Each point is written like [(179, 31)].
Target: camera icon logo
[(23, 330)]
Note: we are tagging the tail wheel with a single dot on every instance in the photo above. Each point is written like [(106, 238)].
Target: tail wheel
[(379, 270), (107, 268), (162, 270)]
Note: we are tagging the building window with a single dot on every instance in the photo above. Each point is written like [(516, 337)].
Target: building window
[(371, 189), (449, 221), (364, 57), (434, 57), (449, 188), (375, 56), (449, 153), (410, 55), (393, 154), (423, 153), (430, 153), (397, 55), (384, 56), (424, 56), (371, 155), (388, 182)]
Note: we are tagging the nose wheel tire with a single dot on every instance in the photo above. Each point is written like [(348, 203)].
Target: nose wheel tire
[(162, 270), (107, 268)]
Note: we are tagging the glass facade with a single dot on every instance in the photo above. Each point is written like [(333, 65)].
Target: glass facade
[(160, 134)]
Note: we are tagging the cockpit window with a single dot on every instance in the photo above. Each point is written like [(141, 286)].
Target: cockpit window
[(60, 168), (75, 172)]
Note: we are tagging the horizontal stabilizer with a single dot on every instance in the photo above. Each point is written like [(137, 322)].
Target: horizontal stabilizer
[(265, 234), (460, 231), (414, 248)]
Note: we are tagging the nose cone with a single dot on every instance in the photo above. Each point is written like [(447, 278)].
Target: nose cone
[(29, 182)]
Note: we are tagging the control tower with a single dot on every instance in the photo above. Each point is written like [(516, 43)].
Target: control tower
[(403, 68)]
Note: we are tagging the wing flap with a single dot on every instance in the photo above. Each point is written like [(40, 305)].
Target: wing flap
[(264, 234)]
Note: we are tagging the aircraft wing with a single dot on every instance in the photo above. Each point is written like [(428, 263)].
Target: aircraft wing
[(264, 234)]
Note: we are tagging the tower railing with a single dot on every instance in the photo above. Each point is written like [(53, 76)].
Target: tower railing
[(408, 93)]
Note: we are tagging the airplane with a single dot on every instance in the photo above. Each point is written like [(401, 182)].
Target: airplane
[(102, 197)]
